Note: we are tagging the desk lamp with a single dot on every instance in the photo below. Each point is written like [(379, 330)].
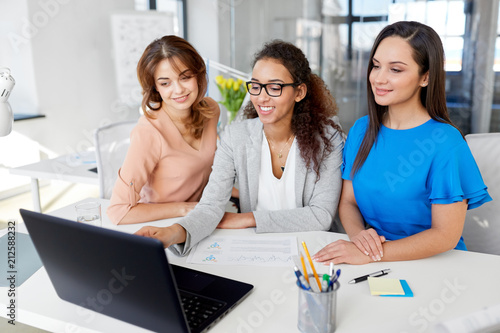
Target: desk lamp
[(7, 82)]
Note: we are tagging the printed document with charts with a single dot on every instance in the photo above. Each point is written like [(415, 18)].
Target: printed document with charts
[(237, 250)]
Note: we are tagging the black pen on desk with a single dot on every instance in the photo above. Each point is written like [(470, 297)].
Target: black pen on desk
[(365, 277)]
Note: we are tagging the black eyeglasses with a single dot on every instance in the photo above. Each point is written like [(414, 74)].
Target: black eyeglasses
[(272, 89)]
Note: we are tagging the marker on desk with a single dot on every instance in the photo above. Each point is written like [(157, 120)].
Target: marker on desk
[(302, 281), (325, 282), (365, 277)]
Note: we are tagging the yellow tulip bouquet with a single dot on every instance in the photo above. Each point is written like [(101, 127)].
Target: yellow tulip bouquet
[(233, 93)]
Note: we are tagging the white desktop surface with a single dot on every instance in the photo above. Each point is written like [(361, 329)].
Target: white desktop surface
[(445, 286), (73, 168)]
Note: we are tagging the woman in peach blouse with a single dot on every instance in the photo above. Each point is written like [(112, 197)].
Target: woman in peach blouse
[(173, 145)]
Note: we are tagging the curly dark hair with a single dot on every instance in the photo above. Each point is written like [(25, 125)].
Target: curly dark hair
[(313, 114)]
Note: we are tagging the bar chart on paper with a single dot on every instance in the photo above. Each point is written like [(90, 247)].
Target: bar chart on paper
[(256, 251)]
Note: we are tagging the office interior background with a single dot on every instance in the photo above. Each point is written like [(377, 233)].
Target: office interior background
[(74, 60)]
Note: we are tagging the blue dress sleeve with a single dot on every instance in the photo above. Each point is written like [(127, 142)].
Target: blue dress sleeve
[(346, 163), (457, 177), (351, 147)]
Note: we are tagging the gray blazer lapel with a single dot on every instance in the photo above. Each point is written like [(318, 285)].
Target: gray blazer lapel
[(253, 150), (300, 178)]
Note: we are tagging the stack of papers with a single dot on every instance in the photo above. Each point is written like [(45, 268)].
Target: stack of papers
[(258, 250), (389, 287)]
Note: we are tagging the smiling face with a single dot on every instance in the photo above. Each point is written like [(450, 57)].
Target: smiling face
[(177, 85), (275, 110), (395, 77)]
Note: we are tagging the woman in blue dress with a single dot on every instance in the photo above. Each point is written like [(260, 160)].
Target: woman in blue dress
[(408, 174)]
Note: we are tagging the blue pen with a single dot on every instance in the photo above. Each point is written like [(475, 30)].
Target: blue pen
[(301, 280), (333, 279)]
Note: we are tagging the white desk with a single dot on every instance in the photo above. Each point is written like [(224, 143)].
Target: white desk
[(73, 168), (445, 286)]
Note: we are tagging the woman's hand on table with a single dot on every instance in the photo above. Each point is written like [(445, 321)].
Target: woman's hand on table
[(341, 252), (370, 243), (174, 234)]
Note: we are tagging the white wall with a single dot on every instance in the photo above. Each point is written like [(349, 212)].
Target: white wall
[(67, 56), (202, 26), (73, 71), (66, 53), (16, 54)]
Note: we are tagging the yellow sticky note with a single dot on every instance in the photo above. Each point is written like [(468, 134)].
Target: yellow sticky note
[(384, 286)]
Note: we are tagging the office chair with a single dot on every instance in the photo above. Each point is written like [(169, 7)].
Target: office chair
[(111, 142), (482, 225)]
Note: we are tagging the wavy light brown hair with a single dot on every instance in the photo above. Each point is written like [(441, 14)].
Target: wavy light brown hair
[(428, 53), (176, 50), (313, 114)]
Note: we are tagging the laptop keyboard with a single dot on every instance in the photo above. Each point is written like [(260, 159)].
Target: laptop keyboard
[(198, 309)]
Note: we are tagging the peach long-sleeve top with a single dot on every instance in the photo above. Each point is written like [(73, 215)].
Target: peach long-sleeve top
[(161, 166)]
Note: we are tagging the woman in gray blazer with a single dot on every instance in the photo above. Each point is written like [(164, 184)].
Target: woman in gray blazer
[(285, 158)]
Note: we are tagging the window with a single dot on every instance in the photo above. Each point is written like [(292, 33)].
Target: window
[(496, 66), (178, 7), (337, 36), (446, 17)]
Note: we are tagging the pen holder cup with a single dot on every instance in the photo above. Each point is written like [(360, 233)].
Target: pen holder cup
[(318, 311)]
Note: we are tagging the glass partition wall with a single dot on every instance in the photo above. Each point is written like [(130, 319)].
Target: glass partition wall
[(337, 36)]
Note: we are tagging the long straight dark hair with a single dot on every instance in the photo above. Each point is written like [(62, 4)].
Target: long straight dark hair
[(428, 53)]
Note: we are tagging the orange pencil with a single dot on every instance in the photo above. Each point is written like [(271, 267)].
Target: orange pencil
[(304, 268), (312, 265)]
